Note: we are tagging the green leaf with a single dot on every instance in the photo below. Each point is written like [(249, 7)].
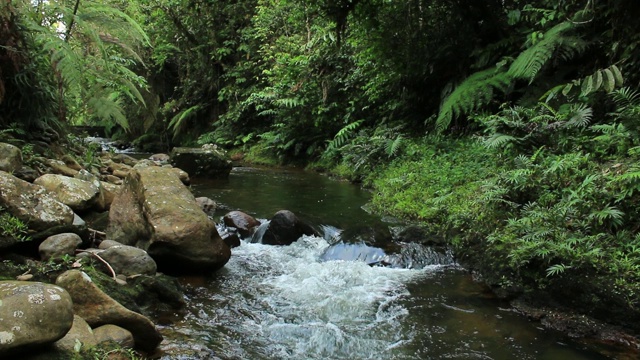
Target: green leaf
[(597, 83), (567, 89), (617, 75), (557, 269), (587, 86), (609, 81)]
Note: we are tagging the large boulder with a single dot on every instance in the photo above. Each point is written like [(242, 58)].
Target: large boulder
[(32, 314), (32, 204), (10, 158), (207, 162), (97, 308), (246, 224), (285, 228), (78, 194), (156, 212)]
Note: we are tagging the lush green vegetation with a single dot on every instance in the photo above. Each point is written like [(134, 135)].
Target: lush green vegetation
[(509, 127)]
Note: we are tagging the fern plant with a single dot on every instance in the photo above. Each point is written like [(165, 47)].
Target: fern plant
[(343, 135), (556, 42), (472, 94), (479, 89), (92, 59), (179, 122), (525, 129)]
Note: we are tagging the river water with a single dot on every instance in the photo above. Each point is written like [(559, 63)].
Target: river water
[(285, 302)]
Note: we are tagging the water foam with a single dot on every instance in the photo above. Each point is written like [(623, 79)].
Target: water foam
[(288, 303)]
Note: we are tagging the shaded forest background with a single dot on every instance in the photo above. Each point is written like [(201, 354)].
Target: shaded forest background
[(509, 127)]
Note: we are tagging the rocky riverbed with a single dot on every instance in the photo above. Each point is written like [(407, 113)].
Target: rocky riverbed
[(72, 286)]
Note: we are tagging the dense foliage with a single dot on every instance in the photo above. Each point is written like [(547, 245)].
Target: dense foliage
[(509, 127)]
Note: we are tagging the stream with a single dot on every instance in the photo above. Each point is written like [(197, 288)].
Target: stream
[(291, 302)]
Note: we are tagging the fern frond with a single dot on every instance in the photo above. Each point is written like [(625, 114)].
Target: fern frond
[(557, 269), (393, 146), (610, 213), (267, 112), (554, 42), (132, 92), (108, 109), (631, 176), (344, 134), (179, 121), (579, 116), (474, 92), (626, 97), (498, 140), (289, 102)]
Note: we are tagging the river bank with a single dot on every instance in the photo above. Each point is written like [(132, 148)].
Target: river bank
[(527, 227)]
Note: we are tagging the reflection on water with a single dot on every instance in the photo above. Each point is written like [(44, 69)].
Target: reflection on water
[(286, 302)]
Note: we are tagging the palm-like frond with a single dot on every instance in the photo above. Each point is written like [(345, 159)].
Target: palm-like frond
[(554, 42), (178, 122), (474, 92)]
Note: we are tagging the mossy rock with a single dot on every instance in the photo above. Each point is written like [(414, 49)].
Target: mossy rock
[(210, 162)]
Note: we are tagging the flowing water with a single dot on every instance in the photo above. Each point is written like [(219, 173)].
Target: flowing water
[(291, 302)]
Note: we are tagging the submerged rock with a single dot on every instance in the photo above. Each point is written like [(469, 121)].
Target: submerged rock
[(285, 228), (32, 314), (246, 224), (355, 252)]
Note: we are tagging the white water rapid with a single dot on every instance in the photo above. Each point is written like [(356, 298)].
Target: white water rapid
[(282, 302)]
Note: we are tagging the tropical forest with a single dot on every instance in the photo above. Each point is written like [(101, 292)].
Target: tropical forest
[(507, 129)]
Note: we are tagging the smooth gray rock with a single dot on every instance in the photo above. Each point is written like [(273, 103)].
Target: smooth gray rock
[(114, 333), (129, 260), (80, 331), (57, 246)]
